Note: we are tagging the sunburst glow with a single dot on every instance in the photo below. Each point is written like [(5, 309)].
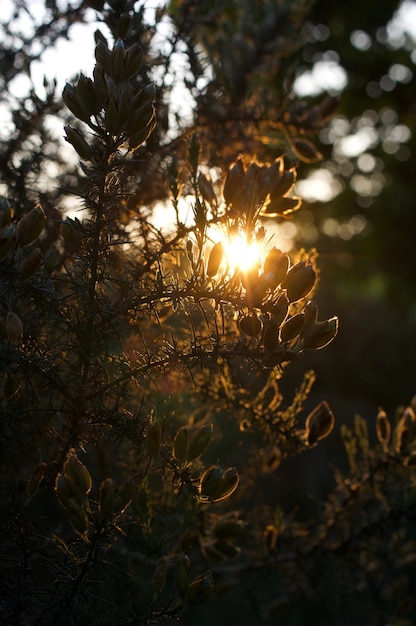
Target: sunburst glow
[(241, 254)]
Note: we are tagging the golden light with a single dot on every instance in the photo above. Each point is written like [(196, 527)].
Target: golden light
[(242, 254)]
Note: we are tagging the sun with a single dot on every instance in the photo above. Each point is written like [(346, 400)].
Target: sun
[(241, 254)]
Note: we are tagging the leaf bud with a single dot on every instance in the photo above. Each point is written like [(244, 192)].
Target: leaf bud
[(30, 225), (14, 328), (201, 589), (199, 441), (292, 327), (320, 334), (214, 260), (299, 281), (319, 423), (250, 325)]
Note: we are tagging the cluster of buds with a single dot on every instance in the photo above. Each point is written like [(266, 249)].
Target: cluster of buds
[(72, 487), (261, 189), (273, 292), (111, 104), (190, 443)]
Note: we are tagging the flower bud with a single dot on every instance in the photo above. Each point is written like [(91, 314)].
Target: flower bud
[(133, 60), (35, 479), (217, 485), (250, 325), (292, 327), (118, 60), (207, 190), (229, 529), (279, 309), (283, 183), (270, 334), (199, 441), (201, 589), (183, 567), (383, 428), (281, 205), (159, 575), (275, 267), (107, 496), (319, 423), (154, 438), (180, 444), (87, 97), (234, 182), (31, 263), (112, 119), (78, 477), (211, 482), (6, 213), (7, 239), (14, 328), (71, 99), (77, 517), (310, 312), (406, 430), (306, 151), (77, 141), (299, 281), (30, 225), (320, 334), (63, 490), (214, 260)]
